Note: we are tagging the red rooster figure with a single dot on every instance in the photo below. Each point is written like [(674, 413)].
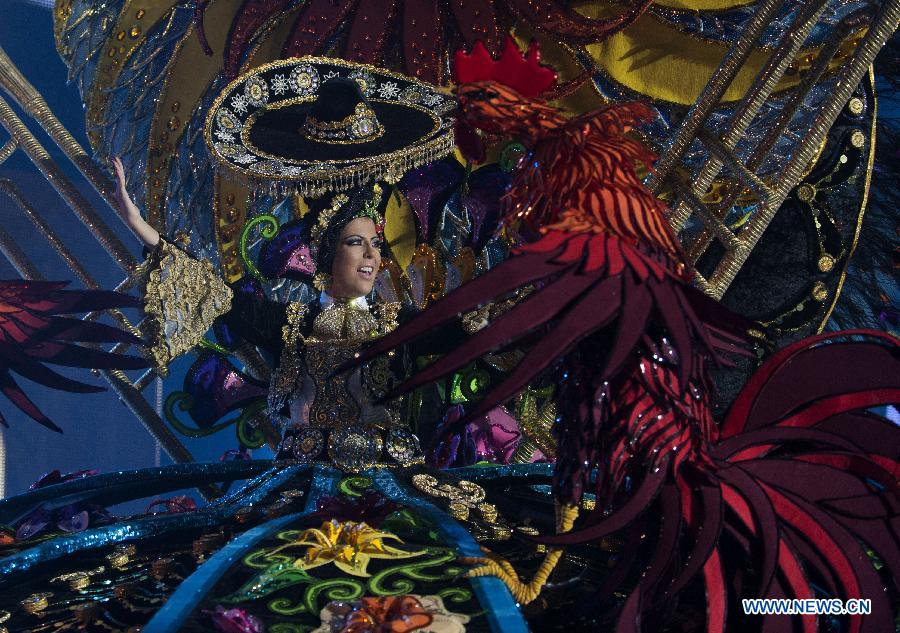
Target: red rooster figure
[(34, 332), (786, 490)]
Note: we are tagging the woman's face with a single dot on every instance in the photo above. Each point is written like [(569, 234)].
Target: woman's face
[(356, 260)]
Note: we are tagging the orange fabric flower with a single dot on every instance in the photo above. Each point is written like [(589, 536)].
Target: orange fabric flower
[(389, 614)]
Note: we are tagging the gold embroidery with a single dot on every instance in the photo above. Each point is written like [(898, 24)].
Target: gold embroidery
[(325, 217), (535, 423), (342, 322), (290, 367), (387, 314), (182, 297), (333, 406), (354, 433)]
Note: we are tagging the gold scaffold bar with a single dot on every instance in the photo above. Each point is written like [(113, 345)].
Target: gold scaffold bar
[(878, 24), (22, 138), (14, 83)]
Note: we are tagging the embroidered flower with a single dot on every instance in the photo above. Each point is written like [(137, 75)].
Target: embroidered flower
[(364, 80), (350, 546), (222, 135), (256, 91), (304, 80), (245, 159), (227, 121), (388, 90), (279, 84), (239, 104)]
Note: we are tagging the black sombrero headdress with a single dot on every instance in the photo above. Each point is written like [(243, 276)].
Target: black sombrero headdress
[(316, 125)]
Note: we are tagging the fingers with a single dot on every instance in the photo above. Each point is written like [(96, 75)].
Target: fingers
[(119, 169), (125, 203)]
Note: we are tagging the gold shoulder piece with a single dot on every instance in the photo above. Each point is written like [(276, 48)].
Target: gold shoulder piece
[(289, 368), (182, 297)]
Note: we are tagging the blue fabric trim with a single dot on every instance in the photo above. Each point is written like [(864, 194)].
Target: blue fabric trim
[(111, 488), (185, 599), (253, 492), (101, 537), (500, 607), (495, 471), (474, 473), (257, 488)]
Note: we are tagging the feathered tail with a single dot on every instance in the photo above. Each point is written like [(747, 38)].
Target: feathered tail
[(798, 498)]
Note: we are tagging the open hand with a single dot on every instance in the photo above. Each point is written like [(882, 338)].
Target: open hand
[(129, 211)]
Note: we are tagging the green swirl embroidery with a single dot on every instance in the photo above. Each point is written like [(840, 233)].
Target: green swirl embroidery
[(334, 589), (354, 486), (456, 595), (267, 232), (380, 586), (247, 434), (285, 606)]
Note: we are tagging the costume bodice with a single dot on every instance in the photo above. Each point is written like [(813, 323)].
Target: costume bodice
[(339, 413)]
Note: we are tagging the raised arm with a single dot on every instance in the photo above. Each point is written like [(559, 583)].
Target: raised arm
[(183, 296), (129, 211)]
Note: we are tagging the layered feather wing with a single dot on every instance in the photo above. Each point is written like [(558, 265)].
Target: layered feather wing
[(798, 497), (585, 283), (35, 332)]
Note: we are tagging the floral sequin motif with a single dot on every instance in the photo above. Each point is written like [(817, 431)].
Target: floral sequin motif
[(256, 91), (304, 80), (349, 546), (365, 80), (239, 104), (227, 121), (412, 94), (388, 90), (280, 84), (432, 99)]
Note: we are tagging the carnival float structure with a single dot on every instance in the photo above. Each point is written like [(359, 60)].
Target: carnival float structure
[(634, 298)]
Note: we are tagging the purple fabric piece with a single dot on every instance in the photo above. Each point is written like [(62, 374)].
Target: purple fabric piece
[(428, 188), (482, 201), (236, 621), (496, 436), (287, 255), (55, 477), (33, 524), (218, 387)]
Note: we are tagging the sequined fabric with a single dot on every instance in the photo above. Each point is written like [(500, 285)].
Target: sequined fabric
[(182, 297), (334, 415)]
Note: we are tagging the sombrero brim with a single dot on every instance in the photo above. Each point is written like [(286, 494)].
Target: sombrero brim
[(254, 127)]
